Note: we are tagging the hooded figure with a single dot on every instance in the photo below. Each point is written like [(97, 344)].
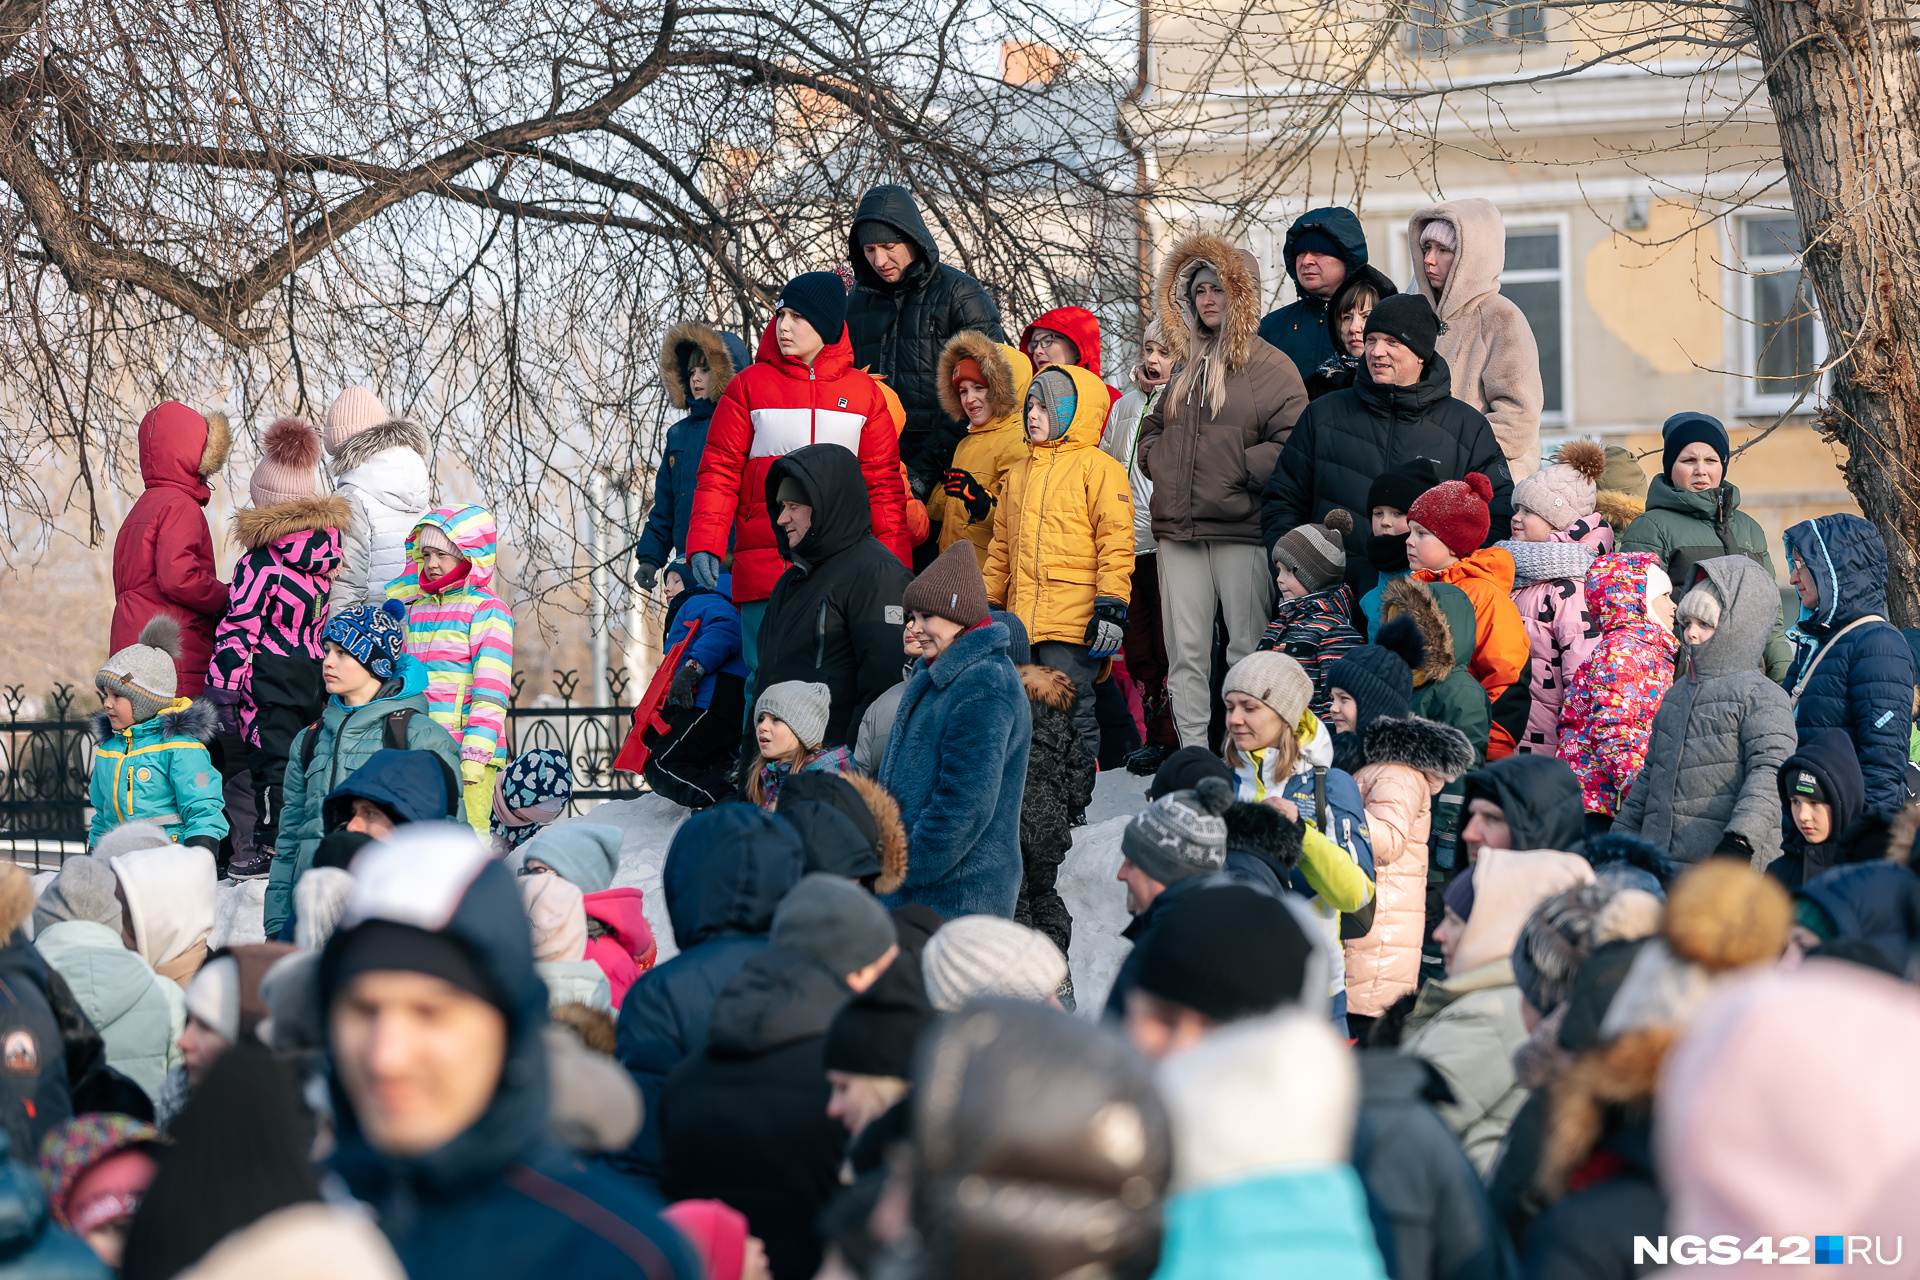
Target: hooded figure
[(897, 330), (1872, 903), (1852, 669), (1539, 796), (1825, 770), (690, 761), (977, 479), (1339, 370), (1078, 326), (771, 410), (1606, 720), (463, 632), (34, 1072), (834, 616), (619, 939), (169, 897), (726, 871), (379, 465), (1467, 1026), (163, 554), (495, 1196), (1443, 689), (1487, 343), (1302, 330), (1710, 784), (673, 484), (1208, 444)]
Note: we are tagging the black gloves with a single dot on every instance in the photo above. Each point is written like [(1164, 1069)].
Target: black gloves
[(1733, 845), (645, 574), (1107, 628), (921, 482), (962, 485), (685, 682)]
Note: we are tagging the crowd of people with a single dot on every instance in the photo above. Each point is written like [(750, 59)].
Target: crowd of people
[(1505, 850)]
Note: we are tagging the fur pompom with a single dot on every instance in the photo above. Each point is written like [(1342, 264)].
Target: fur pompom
[(1481, 486), (162, 632), (1216, 794), (1723, 914), (1338, 520), (1584, 456), (291, 442), (1400, 635)]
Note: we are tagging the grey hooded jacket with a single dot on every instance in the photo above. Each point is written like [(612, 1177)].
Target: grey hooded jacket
[(1721, 733)]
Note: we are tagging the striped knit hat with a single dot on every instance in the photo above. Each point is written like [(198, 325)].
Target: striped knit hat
[(143, 672)]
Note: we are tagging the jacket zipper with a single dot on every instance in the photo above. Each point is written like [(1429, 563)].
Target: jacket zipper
[(820, 637), (813, 407), (1039, 524)]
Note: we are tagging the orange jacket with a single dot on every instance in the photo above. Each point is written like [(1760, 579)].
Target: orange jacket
[(918, 526), (1500, 646)]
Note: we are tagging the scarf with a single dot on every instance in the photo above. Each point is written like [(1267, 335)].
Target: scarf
[(1548, 561)]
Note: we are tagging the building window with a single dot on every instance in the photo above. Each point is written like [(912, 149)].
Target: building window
[(1436, 27), (1783, 343), (1534, 281)]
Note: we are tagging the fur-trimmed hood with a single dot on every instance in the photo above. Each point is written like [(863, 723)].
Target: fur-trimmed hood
[(1619, 509), (1048, 685), (1616, 1081), (1439, 750), (1239, 274), (394, 433), (726, 355), (1260, 830), (219, 443), (258, 526), (1416, 600), (892, 846), (1008, 375), (196, 719)]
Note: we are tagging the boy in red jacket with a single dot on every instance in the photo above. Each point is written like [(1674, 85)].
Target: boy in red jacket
[(801, 389)]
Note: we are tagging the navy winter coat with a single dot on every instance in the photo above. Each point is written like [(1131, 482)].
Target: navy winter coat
[(716, 646), (497, 1200), (1300, 328), (1875, 902), (726, 871), (1865, 684), (673, 484), (957, 762)]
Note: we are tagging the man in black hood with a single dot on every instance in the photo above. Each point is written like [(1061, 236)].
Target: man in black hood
[(1522, 803), (1323, 247), (904, 307), (834, 617)]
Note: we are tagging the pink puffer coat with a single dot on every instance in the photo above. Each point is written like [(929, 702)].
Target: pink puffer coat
[(1550, 592), (1408, 761)]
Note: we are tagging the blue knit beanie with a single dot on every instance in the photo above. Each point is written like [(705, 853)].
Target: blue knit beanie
[(372, 637), (1692, 427)]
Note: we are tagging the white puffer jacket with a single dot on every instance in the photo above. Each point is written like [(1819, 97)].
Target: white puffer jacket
[(382, 473)]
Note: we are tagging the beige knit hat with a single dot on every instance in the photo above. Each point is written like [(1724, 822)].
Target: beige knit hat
[(144, 672), (355, 410), (290, 450), (989, 956), (1275, 679)]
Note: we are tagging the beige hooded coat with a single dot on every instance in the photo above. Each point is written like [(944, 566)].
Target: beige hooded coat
[(1487, 343)]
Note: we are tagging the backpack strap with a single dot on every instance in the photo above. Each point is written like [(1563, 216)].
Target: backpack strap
[(393, 730), (1800, 685), (307, 745), (1320, 800)]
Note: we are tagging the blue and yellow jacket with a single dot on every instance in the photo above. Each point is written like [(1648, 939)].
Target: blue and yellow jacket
[(159, 771)]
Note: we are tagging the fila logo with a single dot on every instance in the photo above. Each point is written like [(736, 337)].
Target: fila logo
[(843, 402)]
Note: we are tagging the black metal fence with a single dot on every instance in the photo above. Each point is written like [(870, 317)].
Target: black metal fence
[(46, 763)]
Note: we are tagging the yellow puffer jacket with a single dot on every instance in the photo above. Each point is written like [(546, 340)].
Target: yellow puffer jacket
[(1064, 530), (988, 452)]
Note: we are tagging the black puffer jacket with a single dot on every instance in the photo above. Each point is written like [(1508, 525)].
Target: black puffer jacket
[(898, 330), (834, 617), (1346, 438)]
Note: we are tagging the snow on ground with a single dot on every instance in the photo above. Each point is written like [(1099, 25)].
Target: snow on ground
[(1096, 900)]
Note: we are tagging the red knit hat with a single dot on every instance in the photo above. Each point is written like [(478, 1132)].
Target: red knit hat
[(1456, 512)]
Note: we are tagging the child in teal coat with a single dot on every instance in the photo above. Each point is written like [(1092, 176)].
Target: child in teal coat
[(150, 759)]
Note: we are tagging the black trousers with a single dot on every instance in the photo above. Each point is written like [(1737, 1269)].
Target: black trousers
[(288, 695), (692, 762)]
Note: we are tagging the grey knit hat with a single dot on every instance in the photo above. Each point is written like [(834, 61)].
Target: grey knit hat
[(143, 672), (989, 956), (1275, 679), (319, 900), (130, 837), (1702, 603), (1317, 553), (82, 891), (1181, 834), (801, 706), (835, 921)]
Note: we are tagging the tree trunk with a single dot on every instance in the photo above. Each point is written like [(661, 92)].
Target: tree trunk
[(1845, 85)]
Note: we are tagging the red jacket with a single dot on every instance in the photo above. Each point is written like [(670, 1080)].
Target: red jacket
[(772, 407), (1082, 327), (163, 554)]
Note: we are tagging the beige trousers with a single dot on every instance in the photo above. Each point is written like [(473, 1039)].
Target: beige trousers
[(1195, 579)]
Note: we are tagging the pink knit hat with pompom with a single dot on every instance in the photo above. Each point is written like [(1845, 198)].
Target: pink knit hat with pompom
[(291, 450)]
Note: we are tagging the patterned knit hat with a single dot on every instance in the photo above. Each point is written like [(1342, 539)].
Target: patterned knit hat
[(290, 450), (801, 706), (531, 792), (143, 672), (989, 956), (1456, 512), (1275, 679), (951, 588), (77, 1145), (1565, 490), (355, 410), (1316, 553), (373, 637), (1181, 834), (1055, 391)]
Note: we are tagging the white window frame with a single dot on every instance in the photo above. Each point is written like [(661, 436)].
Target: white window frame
[(1550, 420), (1752, 400)]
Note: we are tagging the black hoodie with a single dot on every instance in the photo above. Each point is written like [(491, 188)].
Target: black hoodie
[(834, 617), (898, 330), (1540, 796)]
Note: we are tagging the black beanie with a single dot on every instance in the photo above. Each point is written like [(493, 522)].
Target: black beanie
[(1183, 770), (386, 944), (1379, 677), (1317, 240), (1226, 953), (874, 1033), (1691, 427), (874, 231), (1408, 318), (1398, 487), (821, 298)]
